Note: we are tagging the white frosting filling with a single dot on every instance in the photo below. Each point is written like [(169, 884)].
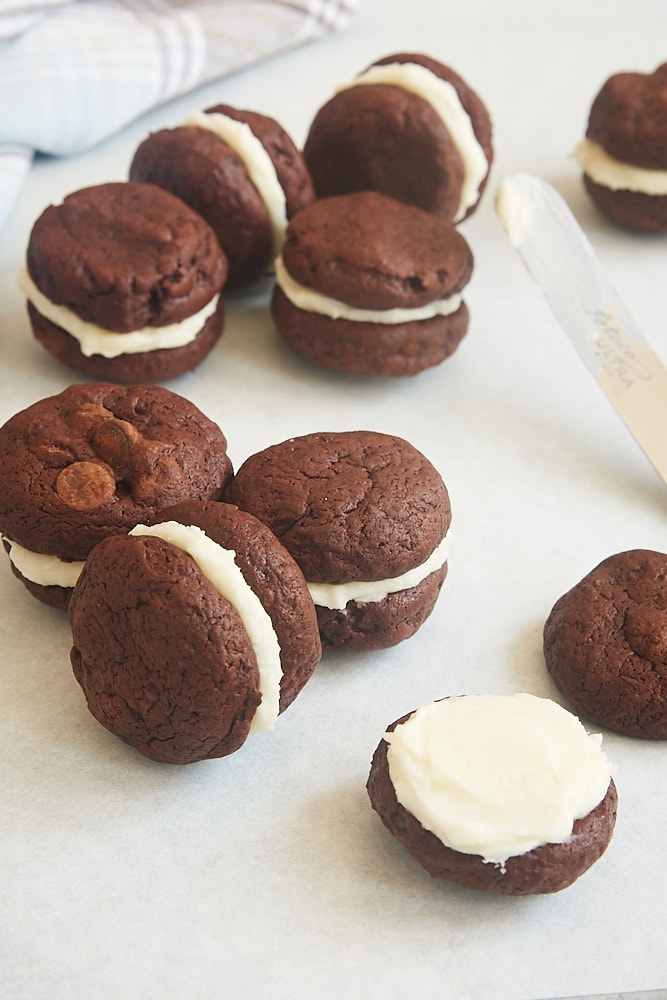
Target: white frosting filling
[(617, 175), (311, 301), (44, 570), (445, 101), (497, 775), (94, 339), (515, 204), (257, 162), (217, 564), (337, 595)]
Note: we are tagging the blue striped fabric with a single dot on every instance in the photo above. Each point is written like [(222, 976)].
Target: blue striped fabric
[(72, 72)]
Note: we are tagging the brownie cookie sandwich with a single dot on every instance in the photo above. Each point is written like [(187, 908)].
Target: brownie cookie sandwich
[(123, 282), (409, 127), (241, 171), (624, 154), (191, 633), (605, 644), (366, 516), (505, 793), (94, 461), (367, 285)]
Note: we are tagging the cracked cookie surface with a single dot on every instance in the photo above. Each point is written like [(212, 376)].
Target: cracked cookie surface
[(605, 644)]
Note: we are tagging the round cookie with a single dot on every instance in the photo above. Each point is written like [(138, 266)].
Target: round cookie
[(123, 283), (605, 642), (192, 633), (241, 171), (367, 285), (409, 127), (624, 154), (507, 794), (365, 515), (95, 460)]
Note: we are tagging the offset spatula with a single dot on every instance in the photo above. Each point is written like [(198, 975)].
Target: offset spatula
[(558, 256)]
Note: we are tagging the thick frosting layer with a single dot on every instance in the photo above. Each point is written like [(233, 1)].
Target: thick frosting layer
[(259, 165), (617, 175), (94, 340), (497, 775), (218, 565), (337, 595), (311, 301), (44, 570), (443, 98)]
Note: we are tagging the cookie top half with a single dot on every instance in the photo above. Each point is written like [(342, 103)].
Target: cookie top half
[(97, 458), (124, 256), (348, 505), (628, 118), (372, 252), (605, 644)]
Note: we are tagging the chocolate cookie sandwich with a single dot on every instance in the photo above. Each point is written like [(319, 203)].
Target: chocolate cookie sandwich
[(94, 461), (123, 283), (366, 516), (409, 127), (624, 154), (507, 794), (241, 171), (605, 644), (191, 633), (367, 285)]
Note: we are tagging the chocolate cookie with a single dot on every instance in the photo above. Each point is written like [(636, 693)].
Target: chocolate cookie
[(447, 781), (123, 283), (94, 461), (605, 644), (367, 285), (624, 155), (409, 127), (192, 633), (241, 171), (365, 515)]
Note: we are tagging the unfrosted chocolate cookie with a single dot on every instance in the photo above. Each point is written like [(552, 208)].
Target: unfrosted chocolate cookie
[(466, 806), (367, 285), (409, 127), (192, 633), (624, 155), (365, 515), (123, 283), (241, 171), (605, 644), (95, 460)]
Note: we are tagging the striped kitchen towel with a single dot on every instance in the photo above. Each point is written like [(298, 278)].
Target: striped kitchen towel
[(72, 72)]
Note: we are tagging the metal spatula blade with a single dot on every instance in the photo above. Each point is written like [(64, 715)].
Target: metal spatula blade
[(561, 260)]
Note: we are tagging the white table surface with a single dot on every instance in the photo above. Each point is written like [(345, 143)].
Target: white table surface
[(266, 874)]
